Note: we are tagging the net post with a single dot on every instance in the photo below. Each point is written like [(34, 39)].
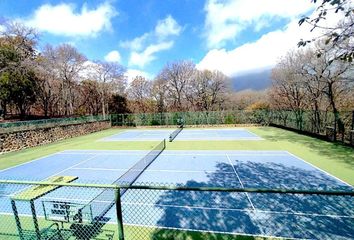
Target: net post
[(119, 213)]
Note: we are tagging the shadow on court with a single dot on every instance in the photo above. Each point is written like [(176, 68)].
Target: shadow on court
[(285, 215), (332, 150)]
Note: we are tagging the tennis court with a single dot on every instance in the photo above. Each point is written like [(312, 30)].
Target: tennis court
[(290, 216), (187, 134)]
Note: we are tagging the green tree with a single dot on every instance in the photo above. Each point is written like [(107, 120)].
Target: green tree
[(18, 82)]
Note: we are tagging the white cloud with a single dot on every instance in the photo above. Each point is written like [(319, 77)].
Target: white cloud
[(113, 56), (145, 47), (136, 44), (132, 73), (225, 20), (167, 27), (263, 53), (2, 28), (63, 19), (142, 58)]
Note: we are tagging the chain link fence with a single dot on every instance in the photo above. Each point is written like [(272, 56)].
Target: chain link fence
[(191, 118), (69, 211), (320, 123)]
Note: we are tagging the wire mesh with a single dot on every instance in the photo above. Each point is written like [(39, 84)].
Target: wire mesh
[(104, 201), (53, 122), (45, 217), (172, 212)]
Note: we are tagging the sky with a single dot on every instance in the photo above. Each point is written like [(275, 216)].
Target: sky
[(233, 36)]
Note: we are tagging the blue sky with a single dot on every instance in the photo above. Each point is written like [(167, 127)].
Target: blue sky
[(234, 36)]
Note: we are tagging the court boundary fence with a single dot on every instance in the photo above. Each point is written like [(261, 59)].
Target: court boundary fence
[(322, 124), (119, 226), (337, 127), (48, 123)]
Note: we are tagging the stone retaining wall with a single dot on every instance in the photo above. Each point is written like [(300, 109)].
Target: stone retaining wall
[(18, 140)]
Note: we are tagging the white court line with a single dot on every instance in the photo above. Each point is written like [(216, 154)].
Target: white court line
[(242, 210), (319, 169), (55, 174), (217, 232), (206, 208), (106, 154), (253, 133), (239, 179), (130, 140), (151, 170), (31, 161), (185, 229), (72, 199), (220, 139), (176, 153)]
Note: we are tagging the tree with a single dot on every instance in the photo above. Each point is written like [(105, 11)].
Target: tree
[(67, 64), (206, 90), (18, 82), (287, 90), (139, 92), (110, 78), (177, 75), (90, 101), (159, 94), (118, 104), (338, 36), (49, 83)]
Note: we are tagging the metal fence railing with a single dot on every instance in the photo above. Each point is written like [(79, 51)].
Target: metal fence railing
[(191, 118), (321, 123), (55, 211), (52, 122)]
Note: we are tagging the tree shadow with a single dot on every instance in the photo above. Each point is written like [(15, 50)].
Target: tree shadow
[(333, 150), (202, 215)]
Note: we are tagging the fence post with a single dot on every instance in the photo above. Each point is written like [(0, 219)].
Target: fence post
[(352, 130), (119, 214)]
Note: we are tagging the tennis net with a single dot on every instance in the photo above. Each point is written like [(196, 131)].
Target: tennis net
[(175, 133), (104, 201)]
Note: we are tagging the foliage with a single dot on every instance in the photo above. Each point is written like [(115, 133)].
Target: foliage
[(336, 36), (118, 104)]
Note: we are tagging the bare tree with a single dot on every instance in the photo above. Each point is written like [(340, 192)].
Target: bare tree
[(159, 94), (177, 75), (110, 78), (68, 63), (139, 93), (206, 90), (287, 90)]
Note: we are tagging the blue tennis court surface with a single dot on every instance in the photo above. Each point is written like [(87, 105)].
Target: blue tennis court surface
[(289, 216), (222, 134)]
